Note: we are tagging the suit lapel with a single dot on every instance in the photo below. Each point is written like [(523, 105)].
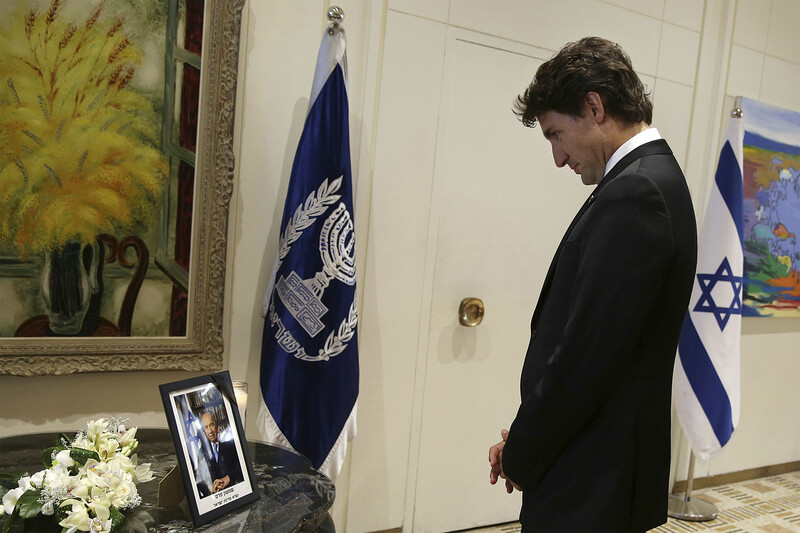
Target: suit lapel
[(657, 147)]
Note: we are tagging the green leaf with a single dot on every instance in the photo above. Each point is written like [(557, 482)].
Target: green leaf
[(117, 518), (13, 475), (81, 456), (11, 520), (29, 504), (47, 455), (7, 484), (3, 490), (60, 513)]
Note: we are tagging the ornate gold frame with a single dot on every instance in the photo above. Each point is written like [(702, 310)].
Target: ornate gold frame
[(202, 347)]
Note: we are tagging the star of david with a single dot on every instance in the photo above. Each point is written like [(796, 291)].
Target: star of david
[(706, 303)]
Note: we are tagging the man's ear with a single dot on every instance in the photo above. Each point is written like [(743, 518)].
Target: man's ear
[(593, 105)]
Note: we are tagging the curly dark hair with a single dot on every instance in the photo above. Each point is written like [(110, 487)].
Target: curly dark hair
[(591, 64)]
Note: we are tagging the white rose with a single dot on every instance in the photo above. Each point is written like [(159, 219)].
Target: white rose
[(38, 479), (120, 463), (64, 459), (10, 499), (120, 486), (48, 508), (58, 477), (123, 494), (24, 483)]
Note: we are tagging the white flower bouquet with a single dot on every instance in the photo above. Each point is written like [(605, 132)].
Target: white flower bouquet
[(86, 484)]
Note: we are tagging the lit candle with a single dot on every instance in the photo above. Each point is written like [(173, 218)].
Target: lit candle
[(240, 391)]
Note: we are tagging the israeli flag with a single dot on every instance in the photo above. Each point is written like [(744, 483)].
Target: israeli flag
[(309, 353), (197, 442), (706, 378)]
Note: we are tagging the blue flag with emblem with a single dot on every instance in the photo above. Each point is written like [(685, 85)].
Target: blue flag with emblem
[(309, 353), (706, 378)]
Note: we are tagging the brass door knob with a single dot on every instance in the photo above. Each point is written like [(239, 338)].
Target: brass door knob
[(470, 312)]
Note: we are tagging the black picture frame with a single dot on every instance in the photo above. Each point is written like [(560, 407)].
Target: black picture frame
[(191, 405)]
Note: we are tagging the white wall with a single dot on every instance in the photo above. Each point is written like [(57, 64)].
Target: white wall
[(694, 55)]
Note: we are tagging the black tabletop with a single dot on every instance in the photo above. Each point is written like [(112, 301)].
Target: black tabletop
[(294, 496)]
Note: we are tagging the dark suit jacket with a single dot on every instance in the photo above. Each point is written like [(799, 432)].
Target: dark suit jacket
[(227, 465), (590, 445)]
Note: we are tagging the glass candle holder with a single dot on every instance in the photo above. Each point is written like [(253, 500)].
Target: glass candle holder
[(240, 391)]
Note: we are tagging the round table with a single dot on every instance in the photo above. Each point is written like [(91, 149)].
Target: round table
[(294, 496)]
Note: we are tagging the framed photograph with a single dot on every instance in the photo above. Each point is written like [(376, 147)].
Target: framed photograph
[(116, 122), (210, 445)]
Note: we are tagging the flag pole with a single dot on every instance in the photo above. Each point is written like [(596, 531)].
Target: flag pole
[(687, 508)]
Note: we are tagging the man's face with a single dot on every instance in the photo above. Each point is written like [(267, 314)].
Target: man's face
[(576, 143), (210, 427)]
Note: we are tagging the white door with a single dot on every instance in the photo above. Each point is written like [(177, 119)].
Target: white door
[(499, 210)]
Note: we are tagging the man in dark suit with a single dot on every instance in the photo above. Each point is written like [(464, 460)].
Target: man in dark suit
[(590, 445), (226, 470)]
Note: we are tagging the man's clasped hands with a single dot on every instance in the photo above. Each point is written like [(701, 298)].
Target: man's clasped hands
[(496, 462)]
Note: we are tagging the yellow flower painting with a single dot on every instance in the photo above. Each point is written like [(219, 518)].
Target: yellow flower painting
[(79, 144), (97, 140)]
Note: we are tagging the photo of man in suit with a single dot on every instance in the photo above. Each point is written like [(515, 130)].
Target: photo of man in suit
[(590, 444), (224, 464)]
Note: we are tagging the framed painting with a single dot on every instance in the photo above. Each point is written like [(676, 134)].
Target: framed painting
[(116, 169), (771, 189)]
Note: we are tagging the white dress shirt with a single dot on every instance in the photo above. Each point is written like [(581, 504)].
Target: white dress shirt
[(650, 134)]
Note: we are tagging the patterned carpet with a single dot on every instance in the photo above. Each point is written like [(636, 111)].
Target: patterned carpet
[(766, 505)]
